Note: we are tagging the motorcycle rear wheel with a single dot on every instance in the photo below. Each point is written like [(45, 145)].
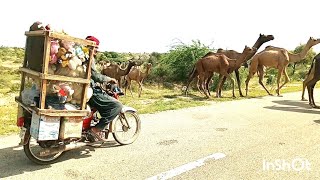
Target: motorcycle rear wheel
[(32, 150), (124, 134)]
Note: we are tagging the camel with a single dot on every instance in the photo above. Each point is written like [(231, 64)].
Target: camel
[(278, 58), (233, 55), (312, 77), (221, 64), (115, 71), (137, 75)]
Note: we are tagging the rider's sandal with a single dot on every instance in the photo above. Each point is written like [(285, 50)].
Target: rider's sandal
[(98, 137)]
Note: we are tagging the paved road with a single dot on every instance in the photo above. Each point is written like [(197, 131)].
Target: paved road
[(262, 138)]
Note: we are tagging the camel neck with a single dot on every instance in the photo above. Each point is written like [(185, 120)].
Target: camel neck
[(299, 56), (241, 59), (256, 46)]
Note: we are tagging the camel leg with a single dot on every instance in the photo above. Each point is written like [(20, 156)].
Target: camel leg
[(232, 80), (252, 71), (126, 86), (310, 86), (304, 84), (186, 91), (219, 85), (192, 75), (208, 82), (310, 94), (303, 89), (261, 74), (287, 79), (130, 88), (202, 84), (198, 85), (236, 71), (140, 88), (223, 81), (247, 81)]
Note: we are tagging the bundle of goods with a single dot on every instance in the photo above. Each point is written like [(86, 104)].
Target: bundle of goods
[(66, 59)]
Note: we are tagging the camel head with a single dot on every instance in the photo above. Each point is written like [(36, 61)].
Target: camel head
[(131, 63), (248, 50), (265, 38), (149, 65), (312, 41)]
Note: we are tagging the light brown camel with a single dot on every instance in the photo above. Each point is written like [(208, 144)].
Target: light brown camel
[(137, 75), (221, 64), (278, 58), (312, 77), (234, 55), (115, 71)]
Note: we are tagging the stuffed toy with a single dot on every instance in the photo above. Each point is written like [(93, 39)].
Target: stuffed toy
[(66, 71), (63, 91), (63, 56), (67, 44), (79, 52), (74, 62), (52, 68), (36, 26), (53, 51), (76, 97)]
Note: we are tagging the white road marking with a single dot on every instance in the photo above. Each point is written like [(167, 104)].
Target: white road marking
[(186, 167)]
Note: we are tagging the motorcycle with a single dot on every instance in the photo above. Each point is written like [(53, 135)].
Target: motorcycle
[(125, 129)]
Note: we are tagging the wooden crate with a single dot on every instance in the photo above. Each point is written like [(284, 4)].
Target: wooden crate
[(35, 66)]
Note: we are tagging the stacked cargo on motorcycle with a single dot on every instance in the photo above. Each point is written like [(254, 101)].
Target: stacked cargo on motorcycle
[(71, 127), (44, 127), (38, 77)]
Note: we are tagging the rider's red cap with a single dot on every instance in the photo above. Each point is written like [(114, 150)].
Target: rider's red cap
[(92, 38)]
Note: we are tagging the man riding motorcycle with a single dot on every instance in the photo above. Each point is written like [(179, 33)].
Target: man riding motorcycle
[(107, 106)]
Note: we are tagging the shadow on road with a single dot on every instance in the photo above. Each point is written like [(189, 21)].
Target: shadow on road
[(317, 121), (293, 106), (13, 160)]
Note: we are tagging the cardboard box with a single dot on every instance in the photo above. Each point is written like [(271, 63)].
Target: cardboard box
[(44, 127), (71, 127)]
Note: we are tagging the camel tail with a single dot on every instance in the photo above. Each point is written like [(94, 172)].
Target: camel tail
[(312, 64), (191, 76)]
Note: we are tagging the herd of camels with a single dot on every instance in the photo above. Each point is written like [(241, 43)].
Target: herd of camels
[(131, 72), (224, 62)]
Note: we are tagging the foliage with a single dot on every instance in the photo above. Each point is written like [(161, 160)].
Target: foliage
[(178, 62), (304, 63), (14, 54), (11, 59)]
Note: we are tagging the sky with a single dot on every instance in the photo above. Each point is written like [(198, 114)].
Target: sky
[(155, 25)]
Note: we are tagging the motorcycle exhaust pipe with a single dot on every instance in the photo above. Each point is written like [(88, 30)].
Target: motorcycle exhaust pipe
[(51, 151)]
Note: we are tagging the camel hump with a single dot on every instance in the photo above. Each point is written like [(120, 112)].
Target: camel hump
[(208, 54)]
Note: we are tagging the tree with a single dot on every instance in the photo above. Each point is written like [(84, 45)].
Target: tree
[(180, 59), (306, 61)]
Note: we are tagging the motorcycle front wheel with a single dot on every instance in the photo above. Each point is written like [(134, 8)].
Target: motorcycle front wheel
[(126, 128), (32, 150)]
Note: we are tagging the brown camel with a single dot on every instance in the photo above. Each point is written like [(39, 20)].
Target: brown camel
[(278, 58), (115, 71), (233, 55), (137, 75), (221, 64), (311, 79)]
